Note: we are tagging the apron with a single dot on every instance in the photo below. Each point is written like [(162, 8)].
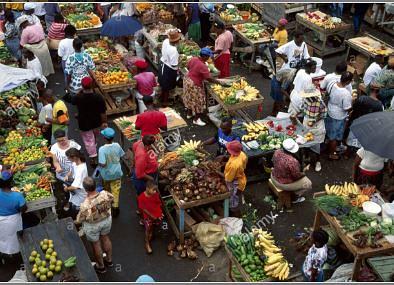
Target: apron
[(10, 225)]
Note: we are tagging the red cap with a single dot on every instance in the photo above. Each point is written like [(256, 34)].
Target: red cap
[(141, 64), (87, 82), (234, 147)]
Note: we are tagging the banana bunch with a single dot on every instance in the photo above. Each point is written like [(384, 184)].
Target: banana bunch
[(188, 145), (276, 266), (242, 84), (344, 190), (254, 130), (250, 94)]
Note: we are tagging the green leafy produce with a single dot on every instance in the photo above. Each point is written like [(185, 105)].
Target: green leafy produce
[(270, 142), (354, 220), (70, 262), (328, 202), (23, 178)]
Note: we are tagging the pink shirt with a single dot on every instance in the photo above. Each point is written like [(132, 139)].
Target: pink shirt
[(223, 42), (146, 81), (32, 34), (198, 71)]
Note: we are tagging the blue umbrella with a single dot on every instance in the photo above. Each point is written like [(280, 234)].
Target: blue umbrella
[(120, 26)]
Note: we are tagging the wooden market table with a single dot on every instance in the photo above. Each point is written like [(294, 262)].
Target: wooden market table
[(367, 46), (360, 254), (89, 31), (229, 25), (183, 206), (66, 243), (253, 44), (320, 47)]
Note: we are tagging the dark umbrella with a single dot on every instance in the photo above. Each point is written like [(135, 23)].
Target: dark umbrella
[(120, 26), (375, 132)]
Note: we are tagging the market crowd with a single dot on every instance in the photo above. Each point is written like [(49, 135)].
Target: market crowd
[(41, 40)]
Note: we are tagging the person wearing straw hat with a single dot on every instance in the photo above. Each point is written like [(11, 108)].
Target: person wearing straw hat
[(168, 68), (193, 90), (234, 173), (315, 111), (286, 173)]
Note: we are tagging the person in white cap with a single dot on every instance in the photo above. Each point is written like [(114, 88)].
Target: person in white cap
[(28, 11), (287, 174)]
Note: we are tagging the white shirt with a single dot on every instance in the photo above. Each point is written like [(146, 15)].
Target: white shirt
[(39, 9), (126, 9), (315, 259), (333, 77), (371, 73), (35, 66), (293, 52), (301, 82), (370, 161), (45, 113), (340, 101), (169, 54), (65, 48), (61, 157), (79, 195)]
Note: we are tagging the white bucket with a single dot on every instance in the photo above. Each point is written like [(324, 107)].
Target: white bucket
[(388, 210), (319, 63)]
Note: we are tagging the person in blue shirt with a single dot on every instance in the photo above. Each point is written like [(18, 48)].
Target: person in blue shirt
[(12, 204), (224, 136), (109, 156)]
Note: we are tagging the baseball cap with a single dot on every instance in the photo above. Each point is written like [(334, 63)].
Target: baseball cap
[(108, 133)]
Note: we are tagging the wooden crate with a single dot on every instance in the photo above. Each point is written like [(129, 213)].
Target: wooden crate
[(114, 107), (41, 204), (383, 266), (114, 87), (196, 203)]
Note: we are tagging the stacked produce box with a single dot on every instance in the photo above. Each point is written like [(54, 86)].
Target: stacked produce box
[(22, 148), (81, 15)]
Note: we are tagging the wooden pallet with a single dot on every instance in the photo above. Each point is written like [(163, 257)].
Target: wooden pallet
[(115, 108)]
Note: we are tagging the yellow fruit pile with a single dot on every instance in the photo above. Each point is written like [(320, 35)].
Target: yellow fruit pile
[(240, 89), (112, 78), (276, 265), (13, 136), (308, 137), (254, 130), (344, 190)]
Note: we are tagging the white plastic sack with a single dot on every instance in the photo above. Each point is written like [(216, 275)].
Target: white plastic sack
[(210, 236), (342, 274), (231, 225), (13, 77), (19, 277)]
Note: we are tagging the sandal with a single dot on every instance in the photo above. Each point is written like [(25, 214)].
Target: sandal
[(108, 263), (99, 270)]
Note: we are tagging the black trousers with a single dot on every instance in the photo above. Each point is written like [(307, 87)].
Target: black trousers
[(206, 25)]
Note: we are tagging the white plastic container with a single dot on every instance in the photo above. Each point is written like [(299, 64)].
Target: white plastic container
[(371, 208), (388, 211)]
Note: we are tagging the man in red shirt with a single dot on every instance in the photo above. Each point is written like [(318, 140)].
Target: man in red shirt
[(146, 81), (151, 121), (145, 163)]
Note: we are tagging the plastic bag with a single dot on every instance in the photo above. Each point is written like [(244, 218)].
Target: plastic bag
[(342, 274), (19, 277), (232, 226), (210, 236)]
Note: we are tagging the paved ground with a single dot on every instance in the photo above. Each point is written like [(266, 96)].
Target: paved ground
[(127, 236)]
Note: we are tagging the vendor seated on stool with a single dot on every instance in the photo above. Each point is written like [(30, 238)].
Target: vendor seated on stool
[(286, 174), (146, 82), (223, 136)]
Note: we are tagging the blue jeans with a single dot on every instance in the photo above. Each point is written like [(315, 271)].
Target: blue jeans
[(335, 128), (336, 10), (140, 184), (64, 72)]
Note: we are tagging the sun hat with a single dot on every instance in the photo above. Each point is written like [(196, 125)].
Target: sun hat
[(283, 22), (145, 279), (29, 6), (108, 133), (5, 175), (21, 19), (234, 147), (206, 52), (174, 36), (141, 64), (87, 82), (290, 145)]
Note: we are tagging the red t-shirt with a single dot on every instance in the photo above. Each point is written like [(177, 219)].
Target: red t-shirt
[(198, 71), (150, 122), (152, 204), (146, 81), (145, 161)]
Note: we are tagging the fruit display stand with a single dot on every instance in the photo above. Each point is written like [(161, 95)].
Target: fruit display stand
[(362, 51), (232, 17), (82, 17), (324, 27), (360, 254), (240, 35), (66, 242)]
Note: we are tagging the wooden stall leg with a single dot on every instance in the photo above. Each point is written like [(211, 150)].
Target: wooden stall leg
[(181, 226), (230, 270), (316, 222), (226, 207), (356, 267)]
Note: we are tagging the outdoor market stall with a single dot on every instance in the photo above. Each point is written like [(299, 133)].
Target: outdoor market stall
[(54, 252), (353, 211), (362, 51), (232, 15), (324, 33), (253, 35), (82, 17), (6, 57), (150, 14), (191, 181)]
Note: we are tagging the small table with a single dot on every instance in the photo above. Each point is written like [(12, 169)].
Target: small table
[(66, 243), (322, 49), (360, 254)]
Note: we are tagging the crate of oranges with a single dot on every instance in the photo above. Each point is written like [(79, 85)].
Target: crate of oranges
[(113, 78)]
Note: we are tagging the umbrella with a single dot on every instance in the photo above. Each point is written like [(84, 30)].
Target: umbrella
[(375, 132), (120, 26)]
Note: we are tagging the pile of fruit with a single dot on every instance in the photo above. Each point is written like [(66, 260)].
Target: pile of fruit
[(230, 15), (344, 190), (29, 154), (254, 130), (34, 193), (254, 31), (84, 20), (322, 20), (164, 15), (112, 77), (142, 7), (239, 91)]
